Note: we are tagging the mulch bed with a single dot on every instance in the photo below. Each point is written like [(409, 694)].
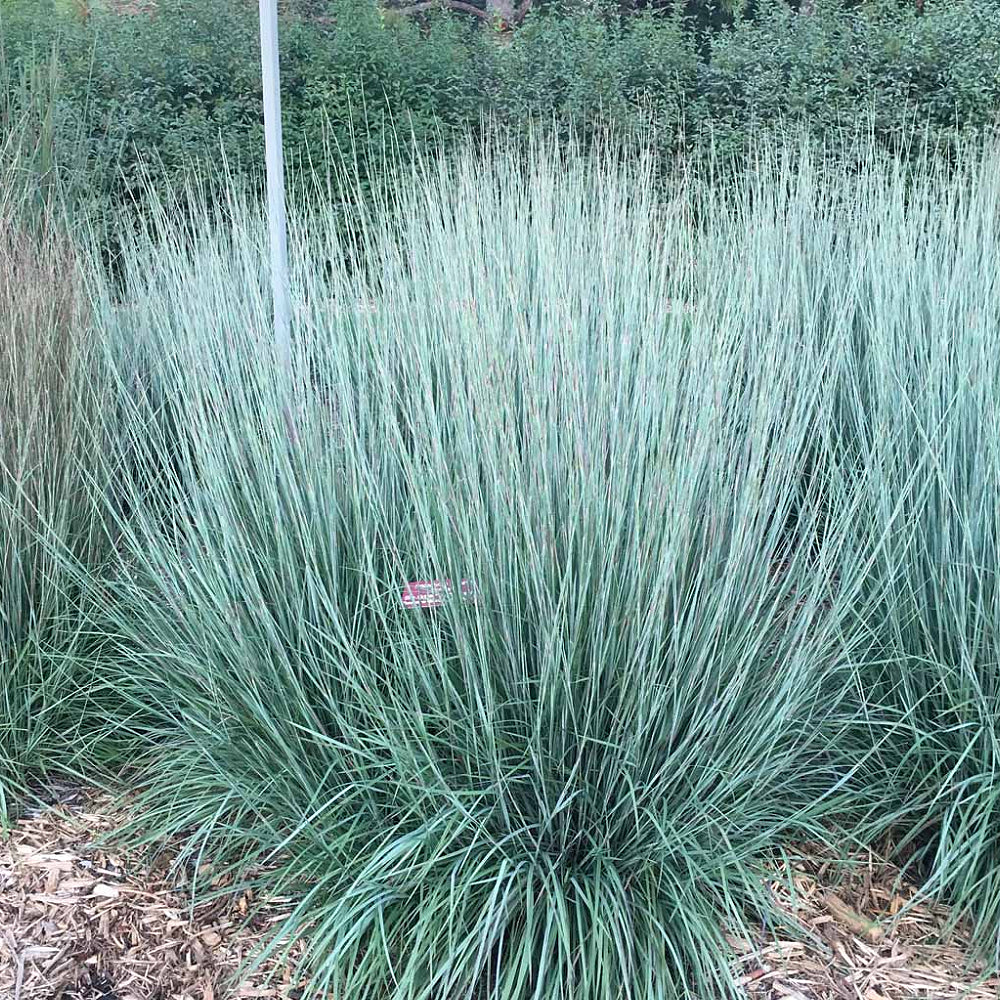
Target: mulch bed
[(78, 922), (868, 939)]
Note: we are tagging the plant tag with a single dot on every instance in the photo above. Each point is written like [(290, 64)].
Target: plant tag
[(433, 593)]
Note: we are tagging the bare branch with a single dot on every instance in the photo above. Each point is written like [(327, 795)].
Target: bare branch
[(414, 8), (522, 10)]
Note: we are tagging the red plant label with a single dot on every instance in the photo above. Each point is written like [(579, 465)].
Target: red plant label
[(433, 593)]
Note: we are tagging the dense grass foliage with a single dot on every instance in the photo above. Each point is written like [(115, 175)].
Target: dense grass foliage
[(50, 459), (606, 411), (719, 463), (920, 433)]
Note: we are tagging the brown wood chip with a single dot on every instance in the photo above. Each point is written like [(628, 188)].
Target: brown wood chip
[(78, 922), (871, 955)]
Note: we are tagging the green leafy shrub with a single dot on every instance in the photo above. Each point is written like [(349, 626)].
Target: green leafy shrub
[(581, 70), (158, 97), (877, 67)]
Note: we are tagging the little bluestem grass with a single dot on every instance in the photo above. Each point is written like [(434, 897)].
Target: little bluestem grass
[(562, 387)]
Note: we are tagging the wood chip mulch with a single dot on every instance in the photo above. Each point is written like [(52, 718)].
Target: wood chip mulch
[(868, 939), (78, 922)]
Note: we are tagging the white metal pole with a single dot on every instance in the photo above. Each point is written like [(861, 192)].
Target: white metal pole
[(277, 226)]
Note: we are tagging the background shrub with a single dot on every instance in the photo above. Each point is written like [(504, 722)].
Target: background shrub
[(889, 69), (155, 98)]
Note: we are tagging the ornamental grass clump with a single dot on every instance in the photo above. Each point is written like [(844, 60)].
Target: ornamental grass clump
[(597, 408), (51, 527), (918, 438)]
